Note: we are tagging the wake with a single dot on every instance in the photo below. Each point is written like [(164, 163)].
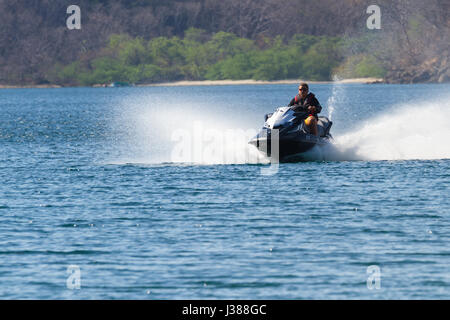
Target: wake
[(409, 132)]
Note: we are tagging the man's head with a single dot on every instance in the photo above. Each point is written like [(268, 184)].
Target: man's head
[(303, 89)]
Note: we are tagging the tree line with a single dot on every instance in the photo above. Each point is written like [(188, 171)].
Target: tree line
[(199, 56)]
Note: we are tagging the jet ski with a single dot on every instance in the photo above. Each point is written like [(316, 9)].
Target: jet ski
[(293, 135)]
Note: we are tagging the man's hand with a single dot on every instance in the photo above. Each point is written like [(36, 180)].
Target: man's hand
[(312, 109)]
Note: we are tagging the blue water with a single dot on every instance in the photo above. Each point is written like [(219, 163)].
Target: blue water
[(88, 179)]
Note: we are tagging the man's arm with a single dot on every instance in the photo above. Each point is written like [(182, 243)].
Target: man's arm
[(316, 104), (318, 108)]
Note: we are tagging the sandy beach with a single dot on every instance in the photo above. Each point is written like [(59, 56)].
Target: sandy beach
[(211, 83), (255, 82)]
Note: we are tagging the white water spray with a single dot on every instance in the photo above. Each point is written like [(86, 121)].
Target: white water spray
[(408, 132), (336, 95), (170, 133)]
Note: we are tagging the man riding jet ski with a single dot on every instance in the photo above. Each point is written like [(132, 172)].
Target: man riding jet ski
[(299, 127), (306, 101)]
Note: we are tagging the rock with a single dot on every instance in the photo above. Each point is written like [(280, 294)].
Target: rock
[(423, 76), (444, 78), (436, 69)]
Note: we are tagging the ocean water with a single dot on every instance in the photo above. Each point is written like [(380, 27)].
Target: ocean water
[(153, 193)]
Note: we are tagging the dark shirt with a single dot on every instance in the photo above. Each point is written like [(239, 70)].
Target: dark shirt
[(299, 104)]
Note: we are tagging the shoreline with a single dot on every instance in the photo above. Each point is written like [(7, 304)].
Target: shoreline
[(185, 83), (256, 82), (30, 86)]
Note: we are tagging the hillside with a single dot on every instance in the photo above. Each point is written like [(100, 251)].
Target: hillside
[(36, 47)]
